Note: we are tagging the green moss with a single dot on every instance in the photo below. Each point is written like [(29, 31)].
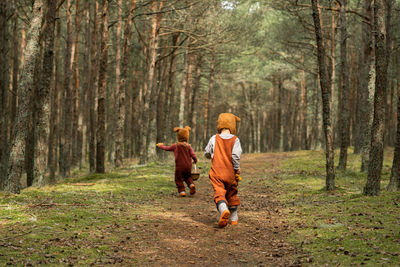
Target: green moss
[(343, 227)]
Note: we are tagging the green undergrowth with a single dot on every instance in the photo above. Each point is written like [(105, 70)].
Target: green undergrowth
[(87, 220), (343, 227)]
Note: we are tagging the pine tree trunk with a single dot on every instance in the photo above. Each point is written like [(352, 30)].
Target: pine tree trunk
[(210, 106), (76, 95), (182, 98), (372, 186), (394, 184), (4, 86), (101, 122), (65, 146), (26, 84), (55, 100), (15, 76), (303, 113), (150, 92), (364, 108), (123, 88), (94, 75), (171, 117), (43, 95), (344, 115), (325, 90)]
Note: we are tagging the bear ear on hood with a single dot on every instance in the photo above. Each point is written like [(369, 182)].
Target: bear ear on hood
[(237, 118), (188, 128), (176, 129)]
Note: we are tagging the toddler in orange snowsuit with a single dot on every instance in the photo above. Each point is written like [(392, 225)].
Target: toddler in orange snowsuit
[(224, 150), (184, 154)]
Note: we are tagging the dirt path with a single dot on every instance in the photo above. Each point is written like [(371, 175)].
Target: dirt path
[(183, 231)]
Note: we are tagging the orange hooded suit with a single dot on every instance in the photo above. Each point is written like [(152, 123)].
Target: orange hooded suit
[(225, 151)]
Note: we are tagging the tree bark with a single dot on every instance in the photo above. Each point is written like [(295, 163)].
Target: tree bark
[(94, 75), (372, 186), (325, 90), (344, 115), (210, 96), (43, 95), (18, 137), (4, 86), (123, 88), (101, 122), (76, 94), (149, 94), (55, 100), (303, 113), (65, 146)]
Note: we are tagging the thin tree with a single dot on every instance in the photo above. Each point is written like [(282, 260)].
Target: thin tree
[(65, 144), (344, 115), (394, 184), (372, 186), (101, 122), (326, 95)]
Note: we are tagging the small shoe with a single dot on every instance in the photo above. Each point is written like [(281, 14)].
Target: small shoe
[(224, 219), (234, 222), (192, 189), (182, 194)]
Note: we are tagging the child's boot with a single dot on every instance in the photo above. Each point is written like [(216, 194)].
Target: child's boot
[(234, 215), (192, 189), (224, 214), (182, 194)]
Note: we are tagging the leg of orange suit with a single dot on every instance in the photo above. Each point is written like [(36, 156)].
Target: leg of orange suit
[(219, 189)]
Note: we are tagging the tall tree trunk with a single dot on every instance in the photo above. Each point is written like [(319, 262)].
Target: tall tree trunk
[(94, 75), (119, 138), (84, 103), (394, 184), (55, 100), (193, 106), (364, 108), (303, 113), (325, 90), (171, 117), (76, 94), (43, 95), (150, 92), (210, 97), (18, 137), (101, 122), (344, 116), (65, 146), (372, 186), (182, 98), (16, 66), (123, 88), (4, 86)]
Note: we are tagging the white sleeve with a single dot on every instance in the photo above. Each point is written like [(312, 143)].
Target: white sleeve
[(236, 153), (209, 149)]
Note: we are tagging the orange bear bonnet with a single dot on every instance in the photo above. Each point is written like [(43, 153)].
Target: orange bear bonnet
[(227, 121), (182, 133)]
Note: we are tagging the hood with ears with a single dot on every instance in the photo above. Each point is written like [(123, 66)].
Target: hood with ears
[(182, 134), (227, 121)]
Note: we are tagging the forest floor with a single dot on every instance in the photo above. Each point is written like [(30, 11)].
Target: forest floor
[(132, 217)]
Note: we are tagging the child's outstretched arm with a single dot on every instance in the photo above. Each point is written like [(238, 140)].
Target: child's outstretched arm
[(166, 148)]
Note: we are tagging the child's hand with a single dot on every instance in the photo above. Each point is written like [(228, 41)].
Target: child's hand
[(238, 178), (238, 172), (159, 144)]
